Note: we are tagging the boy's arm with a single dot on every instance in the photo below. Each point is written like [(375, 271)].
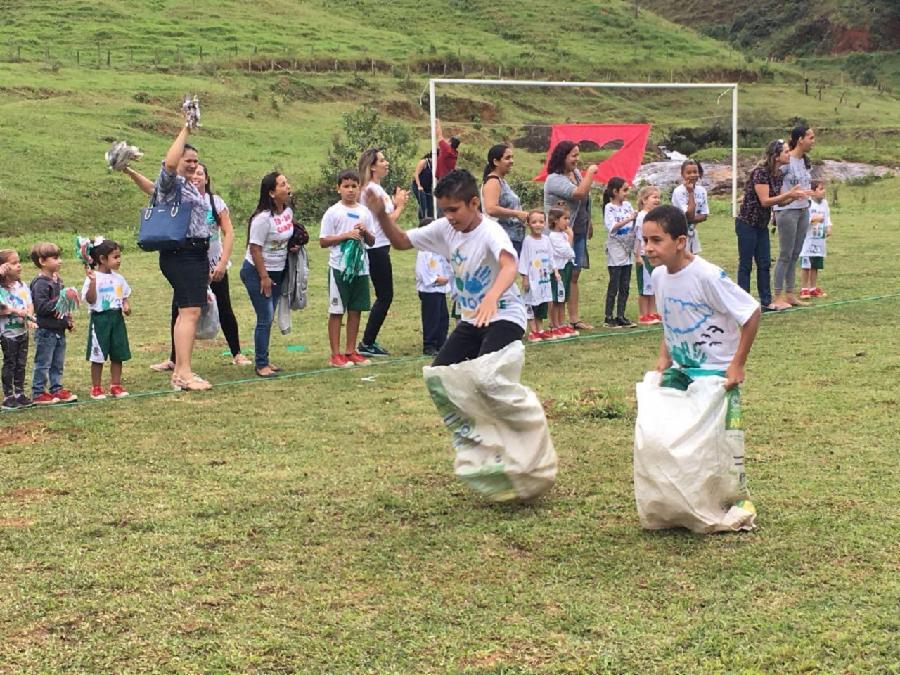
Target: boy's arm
[(42, 295), (664, 361), (734, 375), (397, 237), (487, 308)]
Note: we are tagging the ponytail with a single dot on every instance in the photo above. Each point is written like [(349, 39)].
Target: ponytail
[(614, 184), (494, 154)]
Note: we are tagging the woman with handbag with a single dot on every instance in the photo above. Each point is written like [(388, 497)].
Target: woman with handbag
[(186, 267)]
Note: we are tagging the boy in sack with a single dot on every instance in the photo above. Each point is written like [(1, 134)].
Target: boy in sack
[(709, 325)]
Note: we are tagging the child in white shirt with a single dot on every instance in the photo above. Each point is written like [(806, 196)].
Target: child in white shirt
[(648, 199), (561, 239), (536, 268), (15, 309), (433, 275), (691, 198), (619, 218), (812, 255)]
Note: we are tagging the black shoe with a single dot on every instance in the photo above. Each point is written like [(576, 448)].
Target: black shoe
[(430, 351), (622, 322), (10, 403), (610, 322), (373, 349), (23, 401)]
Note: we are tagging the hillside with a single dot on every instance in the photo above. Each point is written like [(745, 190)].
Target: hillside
[(279, 107)]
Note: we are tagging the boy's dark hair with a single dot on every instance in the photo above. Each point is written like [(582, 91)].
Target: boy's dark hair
[(816, 183), (555, 214), (348, 174), (458, 184), (686, 163), (670, 219), (454, 142), (426, 221), (105, 247), (43, 249)]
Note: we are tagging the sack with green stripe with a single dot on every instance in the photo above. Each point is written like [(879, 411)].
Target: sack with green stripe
[(499, 431), (689, 453)]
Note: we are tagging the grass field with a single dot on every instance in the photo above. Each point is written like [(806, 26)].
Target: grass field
[(313, 524)]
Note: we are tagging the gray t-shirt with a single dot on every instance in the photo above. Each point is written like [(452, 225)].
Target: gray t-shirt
[(795, 173), (508, 199), (559, 187)]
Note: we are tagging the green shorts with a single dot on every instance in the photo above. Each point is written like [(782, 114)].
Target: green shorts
[(347, 296), (565, 276), (540, 311), (107, 337), (812, 262)]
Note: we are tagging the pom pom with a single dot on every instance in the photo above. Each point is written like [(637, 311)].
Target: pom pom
[(83, 247), (191, 109), (120, 154)]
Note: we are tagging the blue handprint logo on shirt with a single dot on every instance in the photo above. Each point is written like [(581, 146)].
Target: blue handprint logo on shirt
[(474, 284)]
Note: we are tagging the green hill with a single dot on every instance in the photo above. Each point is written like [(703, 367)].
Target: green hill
[(275, 78)]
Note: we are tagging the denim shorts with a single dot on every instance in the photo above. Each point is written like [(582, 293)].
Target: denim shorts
[(582, 259)]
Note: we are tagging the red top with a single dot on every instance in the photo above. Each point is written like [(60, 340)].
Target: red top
[(446, 159)]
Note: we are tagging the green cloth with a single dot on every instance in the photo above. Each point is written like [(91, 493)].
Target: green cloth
[(681, 378), (352, 254)]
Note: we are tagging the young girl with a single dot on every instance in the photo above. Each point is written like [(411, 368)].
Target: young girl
[(812, 255), (15, 308), (561, 238), (691, 199), (619, 218), (433, 283), (106, 292), (536, 268), (648, 199)]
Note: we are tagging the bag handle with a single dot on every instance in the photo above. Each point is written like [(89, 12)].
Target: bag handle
[(154, 200)]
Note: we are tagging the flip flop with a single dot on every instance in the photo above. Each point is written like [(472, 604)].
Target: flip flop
[(274, 373)]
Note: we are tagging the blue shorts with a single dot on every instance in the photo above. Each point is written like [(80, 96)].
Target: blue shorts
[(582, 259)]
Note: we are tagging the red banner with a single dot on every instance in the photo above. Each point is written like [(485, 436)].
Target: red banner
[(624, 162)]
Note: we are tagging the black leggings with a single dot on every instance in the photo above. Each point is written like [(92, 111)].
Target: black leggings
[(619, 281), (468, 342), (382, 275), (226, 317)]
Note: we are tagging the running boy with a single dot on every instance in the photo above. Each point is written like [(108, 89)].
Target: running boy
[(50, 335), (345, 226), (484, 267), (709, 322), (812, 255)]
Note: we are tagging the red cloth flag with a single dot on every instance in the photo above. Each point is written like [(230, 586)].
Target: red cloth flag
[(624, 162)]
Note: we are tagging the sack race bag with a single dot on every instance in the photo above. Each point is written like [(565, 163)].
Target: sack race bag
[(689, 454), (499, 430), (208, 325), (164, 227)]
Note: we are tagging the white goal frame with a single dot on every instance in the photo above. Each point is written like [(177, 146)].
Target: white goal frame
[(733, 86)]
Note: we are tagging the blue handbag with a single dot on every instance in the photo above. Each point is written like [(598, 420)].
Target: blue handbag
[(164, 227)]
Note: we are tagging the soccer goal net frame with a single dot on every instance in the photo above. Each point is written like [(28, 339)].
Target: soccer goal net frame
[(722, 86)]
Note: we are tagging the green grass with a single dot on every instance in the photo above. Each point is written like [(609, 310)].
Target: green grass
[(313, 524)]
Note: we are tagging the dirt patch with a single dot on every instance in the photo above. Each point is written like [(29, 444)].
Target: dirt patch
[(462, 108), (156, 126), (32, 93), (25, 494), (402, 109), (23, 435), (15, 522)]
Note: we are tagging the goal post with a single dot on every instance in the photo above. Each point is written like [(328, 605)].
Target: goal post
[(725, 86)]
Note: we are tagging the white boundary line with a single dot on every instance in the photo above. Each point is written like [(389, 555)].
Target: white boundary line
[(599, 85)]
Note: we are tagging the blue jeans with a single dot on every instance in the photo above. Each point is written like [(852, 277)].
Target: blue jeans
[(753, 244), (264, 308), (49, 359)]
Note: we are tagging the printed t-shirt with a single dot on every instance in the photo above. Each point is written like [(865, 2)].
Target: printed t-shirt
[(563, 253), (339, 219), (18, 297), (814, 244), (271, 231), (214, 253), (475, 259), (702, 313), (536, 264), (619, 244), (112, 289), (701, 208), (430, 266), (795, 173)]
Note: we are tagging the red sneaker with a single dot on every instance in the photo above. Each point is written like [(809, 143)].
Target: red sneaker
[(547, 334), (535, 336), (569, 331), (65, 396), (97, 393), (357, 359), (339, 361), (645, 320), (560, 334), (806, 293), (658, 317), (44, 399), (117, 391), (819, 293)]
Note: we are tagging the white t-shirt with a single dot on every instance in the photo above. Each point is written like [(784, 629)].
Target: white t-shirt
[(17, 296), (619, 244), (214, 253), (271, 232), (380, 237), (338, 219), (475, 259), (702, 313), (814, 244), (430, 266), (536, 264), (112, 289), (701, 208), (563, 253), (639, 230)]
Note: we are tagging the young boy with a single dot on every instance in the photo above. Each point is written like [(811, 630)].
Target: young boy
[(433, 276), (709, 322), (50, 335), (484, 268), (345, 226), (812, 255)]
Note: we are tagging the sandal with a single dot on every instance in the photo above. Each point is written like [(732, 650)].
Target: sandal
[(196, 383), (275, 368), (241, 360), (272, 372), (581, 325), (163, 366)]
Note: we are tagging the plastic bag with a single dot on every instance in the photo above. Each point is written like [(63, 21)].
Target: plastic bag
[(689, 457), (499, 430), (208, 326)]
